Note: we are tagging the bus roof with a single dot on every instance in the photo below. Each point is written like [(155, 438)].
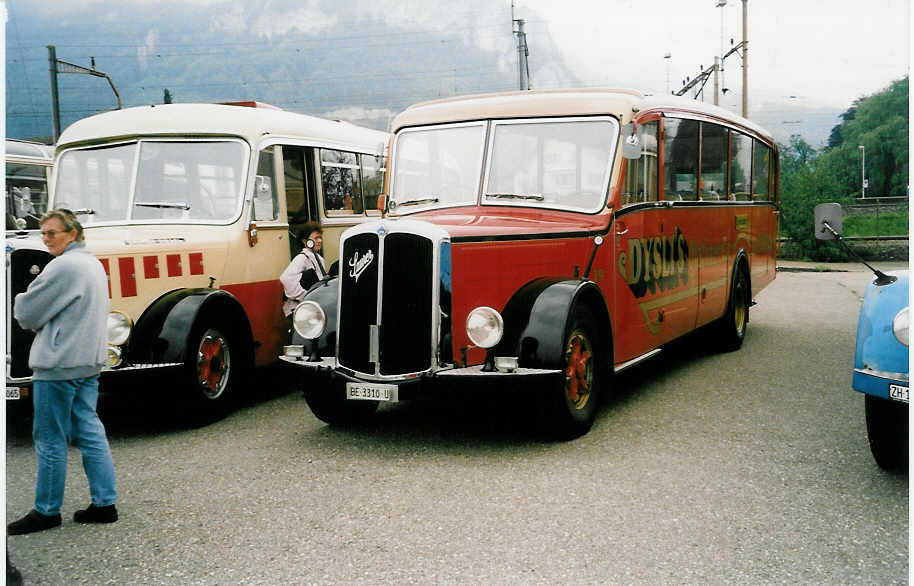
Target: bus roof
[(251, 124), (622, 103), (24, 149)]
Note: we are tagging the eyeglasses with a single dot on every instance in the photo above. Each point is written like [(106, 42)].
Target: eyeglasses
[(51, 233)]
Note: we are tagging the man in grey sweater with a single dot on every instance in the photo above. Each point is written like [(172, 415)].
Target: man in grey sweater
[(67, 307)]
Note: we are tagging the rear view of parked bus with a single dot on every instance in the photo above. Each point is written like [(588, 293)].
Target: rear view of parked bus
[(190, 208), (555, 238)]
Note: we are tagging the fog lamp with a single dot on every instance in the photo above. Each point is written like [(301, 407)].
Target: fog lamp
[(506, 363), (296, 351)]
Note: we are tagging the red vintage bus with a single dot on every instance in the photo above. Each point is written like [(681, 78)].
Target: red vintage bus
[(547, 239)]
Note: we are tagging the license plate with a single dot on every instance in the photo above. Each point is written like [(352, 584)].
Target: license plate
[(13, 393), (898, 392), (371, 392)]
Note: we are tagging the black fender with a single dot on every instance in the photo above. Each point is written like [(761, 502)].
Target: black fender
[(161, 333), (325, 293), (537, 318)]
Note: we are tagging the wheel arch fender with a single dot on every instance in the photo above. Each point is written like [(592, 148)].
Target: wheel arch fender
[(538, 315), (162, 332), (326, 294)]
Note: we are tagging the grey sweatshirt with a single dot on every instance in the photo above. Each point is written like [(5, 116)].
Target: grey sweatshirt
[(67, 305)]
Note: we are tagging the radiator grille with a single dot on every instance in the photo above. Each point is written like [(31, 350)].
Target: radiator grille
[(22, 268)]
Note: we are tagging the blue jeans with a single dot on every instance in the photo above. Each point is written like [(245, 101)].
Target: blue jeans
[(65, 409)]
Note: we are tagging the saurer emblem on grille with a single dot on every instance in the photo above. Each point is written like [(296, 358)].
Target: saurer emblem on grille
[(359, 264)]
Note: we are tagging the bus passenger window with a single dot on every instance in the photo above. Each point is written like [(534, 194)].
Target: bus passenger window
[(713, 182), (341, 182), (373, 169), (680, 159), (761, 165), (740, 160), (641, 174)]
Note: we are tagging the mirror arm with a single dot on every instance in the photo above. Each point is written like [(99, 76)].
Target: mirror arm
[(881, 278)]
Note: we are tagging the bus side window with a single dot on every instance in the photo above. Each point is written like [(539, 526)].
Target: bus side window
[(341, 182), (713, 181), (761, 165), (680, 159), (266, 198), (373, 169), (740, 161), (640, 183)]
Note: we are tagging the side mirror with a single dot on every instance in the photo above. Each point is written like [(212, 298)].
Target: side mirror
[(828, 221), (631, 144)]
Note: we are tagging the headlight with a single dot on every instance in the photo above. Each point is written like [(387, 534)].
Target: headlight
[(119, 326), (309, 320), (485, 327), (900, 326)]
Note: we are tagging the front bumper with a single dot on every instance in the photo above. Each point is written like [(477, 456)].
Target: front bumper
[(462, 379), (892, 386)]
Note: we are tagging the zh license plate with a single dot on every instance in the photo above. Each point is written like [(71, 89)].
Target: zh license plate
[(898, 392), (13, 393), (371, 392)]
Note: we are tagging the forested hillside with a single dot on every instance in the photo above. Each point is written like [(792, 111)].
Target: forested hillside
[(808, 176)]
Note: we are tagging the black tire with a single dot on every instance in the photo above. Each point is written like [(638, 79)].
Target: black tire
[(887, 430), (216, 366), (568, 410), (731, 328), (329, 404)]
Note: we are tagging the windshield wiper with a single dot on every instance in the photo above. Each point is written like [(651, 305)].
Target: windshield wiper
[(173, 205), (83, 211), (413, 202), (531, 196)]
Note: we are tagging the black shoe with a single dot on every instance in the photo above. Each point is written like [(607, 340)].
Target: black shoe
[(96, 514), (32, 522)]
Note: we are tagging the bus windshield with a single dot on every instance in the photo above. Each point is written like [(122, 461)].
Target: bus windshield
[(154, 181), (553, 163)]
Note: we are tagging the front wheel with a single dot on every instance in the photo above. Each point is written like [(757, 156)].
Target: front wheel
[(215, 367), (569, 410), (329, 404), (887, 431)]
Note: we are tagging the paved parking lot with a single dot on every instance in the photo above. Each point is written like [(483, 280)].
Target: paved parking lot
[(743, 468)]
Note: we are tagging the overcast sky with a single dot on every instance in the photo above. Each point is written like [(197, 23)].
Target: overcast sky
[(825, 52), (814, 54)]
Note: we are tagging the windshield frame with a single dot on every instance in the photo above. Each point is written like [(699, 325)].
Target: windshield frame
[(244, 179), (535, 200), (526, 200), (399, 208)]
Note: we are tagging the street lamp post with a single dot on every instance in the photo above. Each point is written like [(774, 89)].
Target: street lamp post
[(862, 170)]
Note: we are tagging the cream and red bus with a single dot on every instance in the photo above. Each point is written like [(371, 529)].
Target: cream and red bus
[(545, 239), (190, 208)]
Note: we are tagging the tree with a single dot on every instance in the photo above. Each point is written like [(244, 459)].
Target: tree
[(166, 98)]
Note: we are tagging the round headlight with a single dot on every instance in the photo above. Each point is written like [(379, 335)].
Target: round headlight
[(485, 327), (309, 320), (119, 326), (900, 326)]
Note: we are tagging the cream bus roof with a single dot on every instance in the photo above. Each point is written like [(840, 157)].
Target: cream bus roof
[(566, 102), (218, 120)]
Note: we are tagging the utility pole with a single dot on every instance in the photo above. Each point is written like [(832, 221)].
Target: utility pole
[(745, 59), (59, 66), (716, 81), (522, 52), (55, 102)]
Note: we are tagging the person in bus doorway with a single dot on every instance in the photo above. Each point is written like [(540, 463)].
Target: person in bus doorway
[(306, 268), (67, 306)]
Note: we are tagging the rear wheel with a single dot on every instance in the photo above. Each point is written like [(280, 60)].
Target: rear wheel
[(731, 328), (569, 410), (887, 430)]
